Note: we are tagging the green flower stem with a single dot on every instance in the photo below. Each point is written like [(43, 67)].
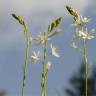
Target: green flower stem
[(26, 34), (43, 84), (86, 69), (25, 67)]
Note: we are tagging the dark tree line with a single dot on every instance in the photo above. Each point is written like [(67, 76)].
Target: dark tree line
[(2, 93), (77, 82)]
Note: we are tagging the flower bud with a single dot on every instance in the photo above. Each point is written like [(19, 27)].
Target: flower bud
[(48, 66)]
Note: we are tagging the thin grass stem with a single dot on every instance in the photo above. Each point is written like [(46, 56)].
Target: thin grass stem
[(25, 67), (43, 84), (86, 69)]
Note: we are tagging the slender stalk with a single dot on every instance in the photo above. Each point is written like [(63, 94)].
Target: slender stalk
[(25, 66), (22, 22), (43, 84), (86, 69)]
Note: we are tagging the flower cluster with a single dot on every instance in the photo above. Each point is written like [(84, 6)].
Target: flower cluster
[(43, 38), (81, 31), (83, 34), (54, 52)]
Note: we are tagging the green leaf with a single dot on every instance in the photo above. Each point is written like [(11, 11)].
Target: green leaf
[(54, 24), (71, 11), (19, 19)]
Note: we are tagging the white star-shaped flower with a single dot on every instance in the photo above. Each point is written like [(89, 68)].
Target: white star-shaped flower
[(42, 38), (84, 19), (54, 51), (35, 56)]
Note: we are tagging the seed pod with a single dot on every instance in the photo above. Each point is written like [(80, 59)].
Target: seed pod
[(71, 11), (20, 19), (54, 24)]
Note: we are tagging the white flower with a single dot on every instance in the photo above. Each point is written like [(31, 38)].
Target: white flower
[(90, 37), (81, 34), (48, 65), (74, 45), (35, 57), (42, 38), (85, 20), (54, 51)]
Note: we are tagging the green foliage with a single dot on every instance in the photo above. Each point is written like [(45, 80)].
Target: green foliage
[(78, 81), (2, 93)]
